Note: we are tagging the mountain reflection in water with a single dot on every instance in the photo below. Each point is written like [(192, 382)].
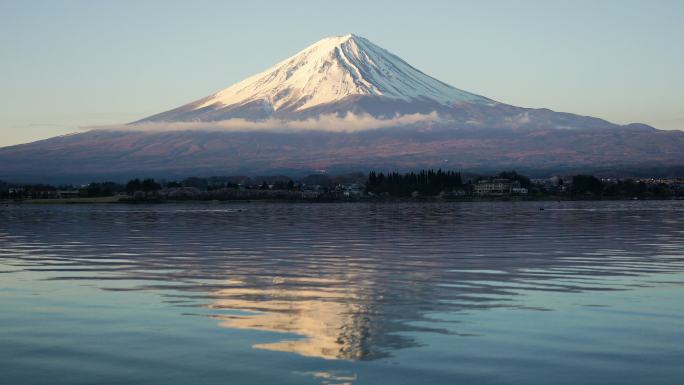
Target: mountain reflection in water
[(346, 281), (335, 324)]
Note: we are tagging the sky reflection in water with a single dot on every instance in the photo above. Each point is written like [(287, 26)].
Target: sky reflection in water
[(412, 286)]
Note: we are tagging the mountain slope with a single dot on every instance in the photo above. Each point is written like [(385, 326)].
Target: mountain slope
[(319, 89), (349, 74), (100, 154), (326, 72)]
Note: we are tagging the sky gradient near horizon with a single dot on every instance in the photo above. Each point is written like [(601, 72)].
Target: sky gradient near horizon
[(69, 65)]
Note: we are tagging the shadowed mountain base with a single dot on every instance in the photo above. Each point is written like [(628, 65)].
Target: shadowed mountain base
[(123, 154)]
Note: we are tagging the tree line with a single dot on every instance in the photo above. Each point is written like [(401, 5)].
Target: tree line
[(424, 182), (588, 186), (393, 184)]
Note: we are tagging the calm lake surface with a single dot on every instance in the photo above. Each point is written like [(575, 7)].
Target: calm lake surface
[(462, 293)]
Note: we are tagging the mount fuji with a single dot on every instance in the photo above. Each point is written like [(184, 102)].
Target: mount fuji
[(335, 75), (343, 104)]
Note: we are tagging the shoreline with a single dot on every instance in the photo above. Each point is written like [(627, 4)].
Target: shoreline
[(122, 200)]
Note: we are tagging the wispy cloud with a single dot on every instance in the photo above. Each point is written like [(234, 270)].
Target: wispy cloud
[(333, 122)]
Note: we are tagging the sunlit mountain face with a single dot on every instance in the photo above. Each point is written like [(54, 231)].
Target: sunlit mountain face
[(343, 104), (337, 74)]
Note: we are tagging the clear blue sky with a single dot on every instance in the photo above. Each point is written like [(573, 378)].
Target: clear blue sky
[(66, 65)]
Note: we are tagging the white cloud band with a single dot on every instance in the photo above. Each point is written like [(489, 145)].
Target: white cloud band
[(333, 122)]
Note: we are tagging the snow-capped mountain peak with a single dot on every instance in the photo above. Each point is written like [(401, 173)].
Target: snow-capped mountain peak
[(333, 69)]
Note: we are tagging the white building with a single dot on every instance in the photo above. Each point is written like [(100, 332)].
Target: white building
[(493, 187), (498, 187)]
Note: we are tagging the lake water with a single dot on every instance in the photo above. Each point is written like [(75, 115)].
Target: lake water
[(462, 293)]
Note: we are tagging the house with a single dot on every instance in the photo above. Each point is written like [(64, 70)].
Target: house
[(352, 190), (498, 187), (519, 190), (494, 187), (67, 194)]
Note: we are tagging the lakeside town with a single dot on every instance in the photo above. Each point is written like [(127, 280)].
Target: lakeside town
[(374, 186)]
